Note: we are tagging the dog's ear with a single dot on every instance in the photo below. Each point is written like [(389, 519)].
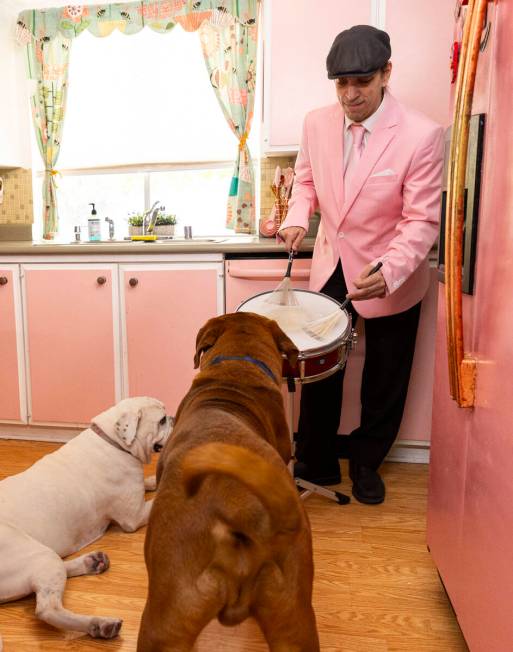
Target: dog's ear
[(285, 344), (207, 337), (126, 426)]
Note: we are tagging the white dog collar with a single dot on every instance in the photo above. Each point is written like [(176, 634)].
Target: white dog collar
[(106, 438)]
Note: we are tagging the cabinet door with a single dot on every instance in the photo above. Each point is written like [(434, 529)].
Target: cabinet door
[(246, 278), (298, 36), (71, 341), (416, 421), (12, 394), (421, 34), (163, 308)]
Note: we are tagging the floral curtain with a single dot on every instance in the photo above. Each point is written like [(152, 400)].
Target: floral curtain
[(47, 65), (230, 55), (230, 58)]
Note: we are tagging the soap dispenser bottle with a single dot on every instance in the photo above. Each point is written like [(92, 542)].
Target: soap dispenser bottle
[(94, 226)]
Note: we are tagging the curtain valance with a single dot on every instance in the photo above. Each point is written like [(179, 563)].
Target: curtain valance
[(130, 17)]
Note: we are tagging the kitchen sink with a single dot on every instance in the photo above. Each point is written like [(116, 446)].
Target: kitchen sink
[(169, 241), (179, 240), (99, 242), (190, 240)]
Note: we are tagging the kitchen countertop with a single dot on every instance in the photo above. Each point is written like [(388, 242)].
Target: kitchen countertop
[(228, 246), (238, 244)]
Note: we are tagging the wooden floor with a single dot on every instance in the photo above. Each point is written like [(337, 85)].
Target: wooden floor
[(376, 589)]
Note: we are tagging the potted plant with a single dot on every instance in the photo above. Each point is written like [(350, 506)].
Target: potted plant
[(165, 224), (135, 224)]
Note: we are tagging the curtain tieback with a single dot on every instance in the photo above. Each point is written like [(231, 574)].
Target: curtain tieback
[(53, 173), (242, 140)]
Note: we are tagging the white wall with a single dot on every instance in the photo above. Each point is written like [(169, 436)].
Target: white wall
[(14, 107)]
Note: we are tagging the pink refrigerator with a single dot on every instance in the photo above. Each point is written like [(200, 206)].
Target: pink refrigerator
[(470, 505)]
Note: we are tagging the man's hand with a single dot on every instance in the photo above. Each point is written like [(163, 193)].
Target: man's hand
[(368, 287), (292, 237)]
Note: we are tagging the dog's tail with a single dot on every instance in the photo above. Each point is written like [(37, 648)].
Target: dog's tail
[(276, 491)]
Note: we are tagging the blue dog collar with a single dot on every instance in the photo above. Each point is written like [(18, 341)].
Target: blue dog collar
[(244, 358)]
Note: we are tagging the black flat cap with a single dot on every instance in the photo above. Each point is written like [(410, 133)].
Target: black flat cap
[(358, 51)]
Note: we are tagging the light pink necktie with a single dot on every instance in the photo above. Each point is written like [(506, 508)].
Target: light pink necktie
[(358, 132)]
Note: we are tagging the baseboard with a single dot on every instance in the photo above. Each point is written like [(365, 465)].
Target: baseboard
[(35, 433), (407, 451), (410, 452)]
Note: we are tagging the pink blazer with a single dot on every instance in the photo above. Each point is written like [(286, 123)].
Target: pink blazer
[(392, 213)]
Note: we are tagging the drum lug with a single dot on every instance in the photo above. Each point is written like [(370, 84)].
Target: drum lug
[(353, 340)]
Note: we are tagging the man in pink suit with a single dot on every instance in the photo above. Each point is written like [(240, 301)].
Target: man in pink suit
[(372, 167)]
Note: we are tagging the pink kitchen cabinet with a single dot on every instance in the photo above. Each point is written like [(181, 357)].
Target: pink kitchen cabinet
[(247, 277), (298, 35), (421, 37), (163, 306), (415, 428), (12, 394), (71, 341)]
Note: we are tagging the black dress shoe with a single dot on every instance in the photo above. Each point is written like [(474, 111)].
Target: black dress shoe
[(368, 487), (301, 470)]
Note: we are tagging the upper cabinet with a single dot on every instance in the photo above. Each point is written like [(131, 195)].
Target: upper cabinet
[(298, 35), (15, 122), (421, 34)]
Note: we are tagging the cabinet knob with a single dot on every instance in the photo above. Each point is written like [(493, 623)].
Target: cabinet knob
[(4, 280), (133, 282), (101, 280)]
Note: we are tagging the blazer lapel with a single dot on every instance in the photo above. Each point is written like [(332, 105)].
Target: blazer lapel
[(334, 149), (382, 135)]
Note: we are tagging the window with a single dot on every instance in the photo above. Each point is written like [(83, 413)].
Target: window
[(143, 124)]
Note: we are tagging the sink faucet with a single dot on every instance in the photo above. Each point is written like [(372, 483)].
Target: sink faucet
[(111, 228), (150, 218)]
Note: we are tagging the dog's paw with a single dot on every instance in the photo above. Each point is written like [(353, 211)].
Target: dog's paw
[(96, 563), (104, 627)]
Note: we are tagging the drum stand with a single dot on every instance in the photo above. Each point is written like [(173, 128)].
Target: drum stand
[(308, 488)]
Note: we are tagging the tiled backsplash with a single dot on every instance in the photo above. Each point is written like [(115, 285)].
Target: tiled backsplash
[(268, 166), (17, 205)]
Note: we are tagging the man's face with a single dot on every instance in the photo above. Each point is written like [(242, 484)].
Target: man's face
[(361, 96)]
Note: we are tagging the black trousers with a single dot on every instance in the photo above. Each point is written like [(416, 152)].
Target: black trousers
[(389, 349)]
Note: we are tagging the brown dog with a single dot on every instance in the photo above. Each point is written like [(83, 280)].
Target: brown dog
[(228, 536)]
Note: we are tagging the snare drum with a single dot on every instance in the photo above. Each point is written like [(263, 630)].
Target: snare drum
[(318, 357)]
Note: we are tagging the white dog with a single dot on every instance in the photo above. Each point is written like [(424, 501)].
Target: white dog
[(67, 499)]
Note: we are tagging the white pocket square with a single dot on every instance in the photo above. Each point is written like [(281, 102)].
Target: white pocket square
[(384, 173)]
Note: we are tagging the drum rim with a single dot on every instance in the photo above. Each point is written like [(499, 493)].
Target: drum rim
[(292, 290), (327, 348)]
